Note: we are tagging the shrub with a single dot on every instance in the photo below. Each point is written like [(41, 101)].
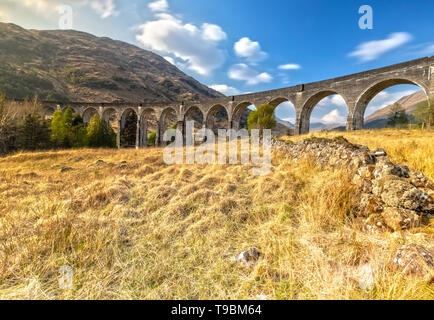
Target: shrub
[(262, 118)]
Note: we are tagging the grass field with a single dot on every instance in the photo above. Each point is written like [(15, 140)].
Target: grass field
[(146, 230)]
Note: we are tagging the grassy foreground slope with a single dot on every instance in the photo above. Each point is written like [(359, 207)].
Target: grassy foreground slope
[(146, 230)]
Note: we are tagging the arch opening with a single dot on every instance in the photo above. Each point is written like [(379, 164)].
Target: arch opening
[(217, 118), (194, 114), (241, 115), (88, 114), (111, 116), (168, 120), (48, 113), (128, 131), (384, 100), (285, 117), (149, 127), (326, 110)]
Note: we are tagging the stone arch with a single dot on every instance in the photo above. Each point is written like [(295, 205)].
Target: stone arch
[(356, 118), (303, 123), (128, 128), (111, 116), (88, 113), (148, 124), (168, 117), (212, 117), (194, 113), (284, 126), (48, 112), (66, 107), (277, 101), (238, 112)]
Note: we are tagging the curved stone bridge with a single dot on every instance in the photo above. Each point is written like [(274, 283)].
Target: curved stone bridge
[(356, 89)]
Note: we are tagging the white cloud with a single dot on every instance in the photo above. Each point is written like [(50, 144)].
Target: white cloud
[(104, 8), (225, 89), (243, 72), (159, 6), (334, 117), (334, 100), (384, 99), (213, 32), (198, 46), (289, 66), (170, 59), (251, 50), (371, 50)]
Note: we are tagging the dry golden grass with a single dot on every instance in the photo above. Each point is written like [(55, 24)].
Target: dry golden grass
[(153, 231)]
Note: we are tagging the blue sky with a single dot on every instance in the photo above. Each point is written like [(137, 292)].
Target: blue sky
[(245, 46)]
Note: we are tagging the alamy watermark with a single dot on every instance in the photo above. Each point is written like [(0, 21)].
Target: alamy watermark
[(366, 21), (66, 20), (65, 277), (223, 150)]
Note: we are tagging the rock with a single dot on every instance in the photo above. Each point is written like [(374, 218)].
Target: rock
[(388, 168), (65, 169), (375, 222), (419, 180), (123, 165), (78, 159), (414, 259), (366, 171), (379, 153), (400, 219), (369, 204), (400, 194), (249, 257), (96, 163)]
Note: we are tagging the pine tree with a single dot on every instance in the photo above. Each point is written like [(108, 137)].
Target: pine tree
[(34, 133), (100, 134), (57, 132)]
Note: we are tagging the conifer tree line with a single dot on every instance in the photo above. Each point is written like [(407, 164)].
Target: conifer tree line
[(25, 128)]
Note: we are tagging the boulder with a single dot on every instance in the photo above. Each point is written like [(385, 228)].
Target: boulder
[(249, 257), (65, 169), (400, 219), (400, 194), (413, 259)]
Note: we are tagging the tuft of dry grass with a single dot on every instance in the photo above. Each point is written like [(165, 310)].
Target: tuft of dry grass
[(154, 231)]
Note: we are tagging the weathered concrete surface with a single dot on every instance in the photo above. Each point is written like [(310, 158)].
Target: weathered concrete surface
[(357, 90)]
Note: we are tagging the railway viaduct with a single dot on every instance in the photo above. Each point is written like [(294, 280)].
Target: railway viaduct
[(356, 89)]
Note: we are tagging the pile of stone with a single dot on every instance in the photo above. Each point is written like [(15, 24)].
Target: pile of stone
[(391, 195)]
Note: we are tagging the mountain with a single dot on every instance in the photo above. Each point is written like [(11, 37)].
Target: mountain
[(379, 118), (76, 66)]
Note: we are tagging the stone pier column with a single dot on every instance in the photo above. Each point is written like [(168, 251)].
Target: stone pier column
[(145, 134), (181, 126), (297, 126), (355, 118), (118, 135), (158, 137), (138, 134)]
